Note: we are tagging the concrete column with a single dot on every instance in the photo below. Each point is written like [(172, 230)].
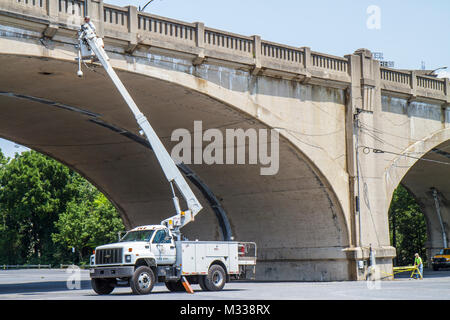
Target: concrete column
[(413, 85), (200, 43), (447, 89), (256, 54), (132, 28), (368, 79), (52, 12), (307, 57)]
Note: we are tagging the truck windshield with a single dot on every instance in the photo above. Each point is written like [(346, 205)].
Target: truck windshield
[(445, 252), (141, 235)]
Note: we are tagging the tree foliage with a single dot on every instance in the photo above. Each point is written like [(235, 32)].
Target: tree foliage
[(408, 229), (45, 208)]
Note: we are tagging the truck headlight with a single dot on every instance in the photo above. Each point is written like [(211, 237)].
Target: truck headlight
[(92, 260), (128, 258)]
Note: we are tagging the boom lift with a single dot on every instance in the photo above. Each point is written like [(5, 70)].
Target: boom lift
[(148, 254), (91, 47)]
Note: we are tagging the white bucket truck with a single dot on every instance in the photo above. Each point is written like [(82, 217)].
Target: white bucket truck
[(156, 253)]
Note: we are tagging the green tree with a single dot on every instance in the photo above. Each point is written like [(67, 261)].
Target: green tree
[(46, 208), (87, 222), (408, 228), (33, 192)]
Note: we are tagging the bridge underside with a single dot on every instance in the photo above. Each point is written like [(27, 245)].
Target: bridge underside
[(292, 216), (420, 180)]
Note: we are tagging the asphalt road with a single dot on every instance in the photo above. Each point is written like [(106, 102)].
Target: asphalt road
[(55, 284)]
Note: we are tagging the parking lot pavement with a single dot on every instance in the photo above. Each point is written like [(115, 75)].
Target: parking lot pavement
[(57, 284)]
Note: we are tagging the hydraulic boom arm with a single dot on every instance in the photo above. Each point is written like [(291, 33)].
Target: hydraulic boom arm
[(90, 46)]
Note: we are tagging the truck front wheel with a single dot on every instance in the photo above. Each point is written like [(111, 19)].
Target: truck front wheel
[(216, 278), (102, 286), (142, 281)]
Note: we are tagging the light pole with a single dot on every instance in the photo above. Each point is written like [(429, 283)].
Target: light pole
[(431, 73), (145, 5)]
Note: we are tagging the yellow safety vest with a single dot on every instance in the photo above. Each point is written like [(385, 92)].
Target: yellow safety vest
[(418, 261)]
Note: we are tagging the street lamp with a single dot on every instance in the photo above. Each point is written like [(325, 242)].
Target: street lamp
[(431, 73), (145, 5)]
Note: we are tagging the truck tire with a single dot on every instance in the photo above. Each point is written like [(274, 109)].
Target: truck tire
[(216, 278), (175, 286), (142, 281), (201, 282), (102, 286)]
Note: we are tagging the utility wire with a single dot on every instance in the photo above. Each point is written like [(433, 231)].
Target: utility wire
[(367, 150)]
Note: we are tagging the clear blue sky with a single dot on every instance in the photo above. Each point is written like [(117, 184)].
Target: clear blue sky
[(411, 31)]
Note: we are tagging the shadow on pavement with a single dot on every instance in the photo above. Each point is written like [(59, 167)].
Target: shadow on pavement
[(47, 286), (56, 286)]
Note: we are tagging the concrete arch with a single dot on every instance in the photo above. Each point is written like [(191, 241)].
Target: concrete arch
[(302, 196), (421, 177), (400, 166)]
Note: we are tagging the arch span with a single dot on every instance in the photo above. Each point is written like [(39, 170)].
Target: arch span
[(295, 216), (420, 178)]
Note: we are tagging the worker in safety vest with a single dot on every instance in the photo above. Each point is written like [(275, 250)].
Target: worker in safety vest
[(419, 264)]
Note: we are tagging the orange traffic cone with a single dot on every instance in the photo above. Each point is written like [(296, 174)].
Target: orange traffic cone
[(186, 285)]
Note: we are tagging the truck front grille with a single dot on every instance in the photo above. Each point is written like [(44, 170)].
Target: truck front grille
[(108, 256)]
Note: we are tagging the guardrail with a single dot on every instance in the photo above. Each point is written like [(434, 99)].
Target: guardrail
[(66, 266), (26, 266)]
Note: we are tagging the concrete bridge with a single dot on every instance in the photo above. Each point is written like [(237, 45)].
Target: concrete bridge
[(317, 217)]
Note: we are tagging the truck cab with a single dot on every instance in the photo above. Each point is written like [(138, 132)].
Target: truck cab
[(441, 260)]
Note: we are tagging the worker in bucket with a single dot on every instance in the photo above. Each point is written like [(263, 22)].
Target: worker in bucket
[(87, 20), (418, 263)]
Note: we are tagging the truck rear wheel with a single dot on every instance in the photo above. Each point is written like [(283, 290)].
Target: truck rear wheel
[(201, 282), (175, 286), (102, 286), (216, 278), (142, 281)]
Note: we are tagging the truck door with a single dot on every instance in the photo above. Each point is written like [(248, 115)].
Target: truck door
[(164, 244)]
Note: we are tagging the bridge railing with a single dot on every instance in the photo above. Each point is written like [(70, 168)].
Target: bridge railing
[(431, 83), (139, 28), (159, 28), (116, 18), (27, 6), (409, 82), (329, 62), (228, 43)]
